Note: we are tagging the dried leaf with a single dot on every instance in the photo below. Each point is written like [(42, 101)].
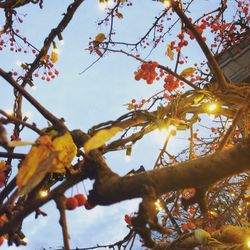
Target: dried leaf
[(170, 53), (119, 15), (27, 179), (45, 156), (98, 52), (188, 72), (67, 151), (100, 38), (100, 138)]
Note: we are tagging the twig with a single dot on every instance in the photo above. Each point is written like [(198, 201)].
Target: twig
[(48, 115), (17, 121), (12, 155), (63, 222), (168, 70)]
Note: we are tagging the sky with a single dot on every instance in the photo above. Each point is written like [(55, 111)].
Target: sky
[(84, 100)]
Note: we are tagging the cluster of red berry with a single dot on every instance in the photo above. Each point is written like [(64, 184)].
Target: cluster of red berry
[(78, 200), (244, 5), (182, 42), (135, 106), (188, 226), (49, 72), (171, 83), (7, 38), (147, 72)]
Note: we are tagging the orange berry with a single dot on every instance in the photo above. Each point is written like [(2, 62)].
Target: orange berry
[(191, 225), (81, 199), (184, 227), (71, 203)]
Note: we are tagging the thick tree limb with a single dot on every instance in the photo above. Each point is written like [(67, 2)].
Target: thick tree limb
[(194, 173), (112, 189), (8, 4)]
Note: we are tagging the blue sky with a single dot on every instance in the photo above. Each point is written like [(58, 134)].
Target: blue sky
[(86, 100)]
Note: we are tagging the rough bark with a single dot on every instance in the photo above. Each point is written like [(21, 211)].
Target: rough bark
[(194, 173)]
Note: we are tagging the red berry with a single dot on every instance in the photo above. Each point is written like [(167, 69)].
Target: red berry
[(245, 10), (181, 36), (128, 219), (133, 101), (36, 75), (154, 64), (137, 77), (81, 199), (150, 81), (71, 203), (184, 227), (185, 43), (1, 240), (191, 225)]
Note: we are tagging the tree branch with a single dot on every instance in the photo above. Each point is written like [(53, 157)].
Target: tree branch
[(215, 68), (63, 221), (48, 115), (194, 173)]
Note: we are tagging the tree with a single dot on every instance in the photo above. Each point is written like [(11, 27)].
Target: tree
[(185, 194)]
